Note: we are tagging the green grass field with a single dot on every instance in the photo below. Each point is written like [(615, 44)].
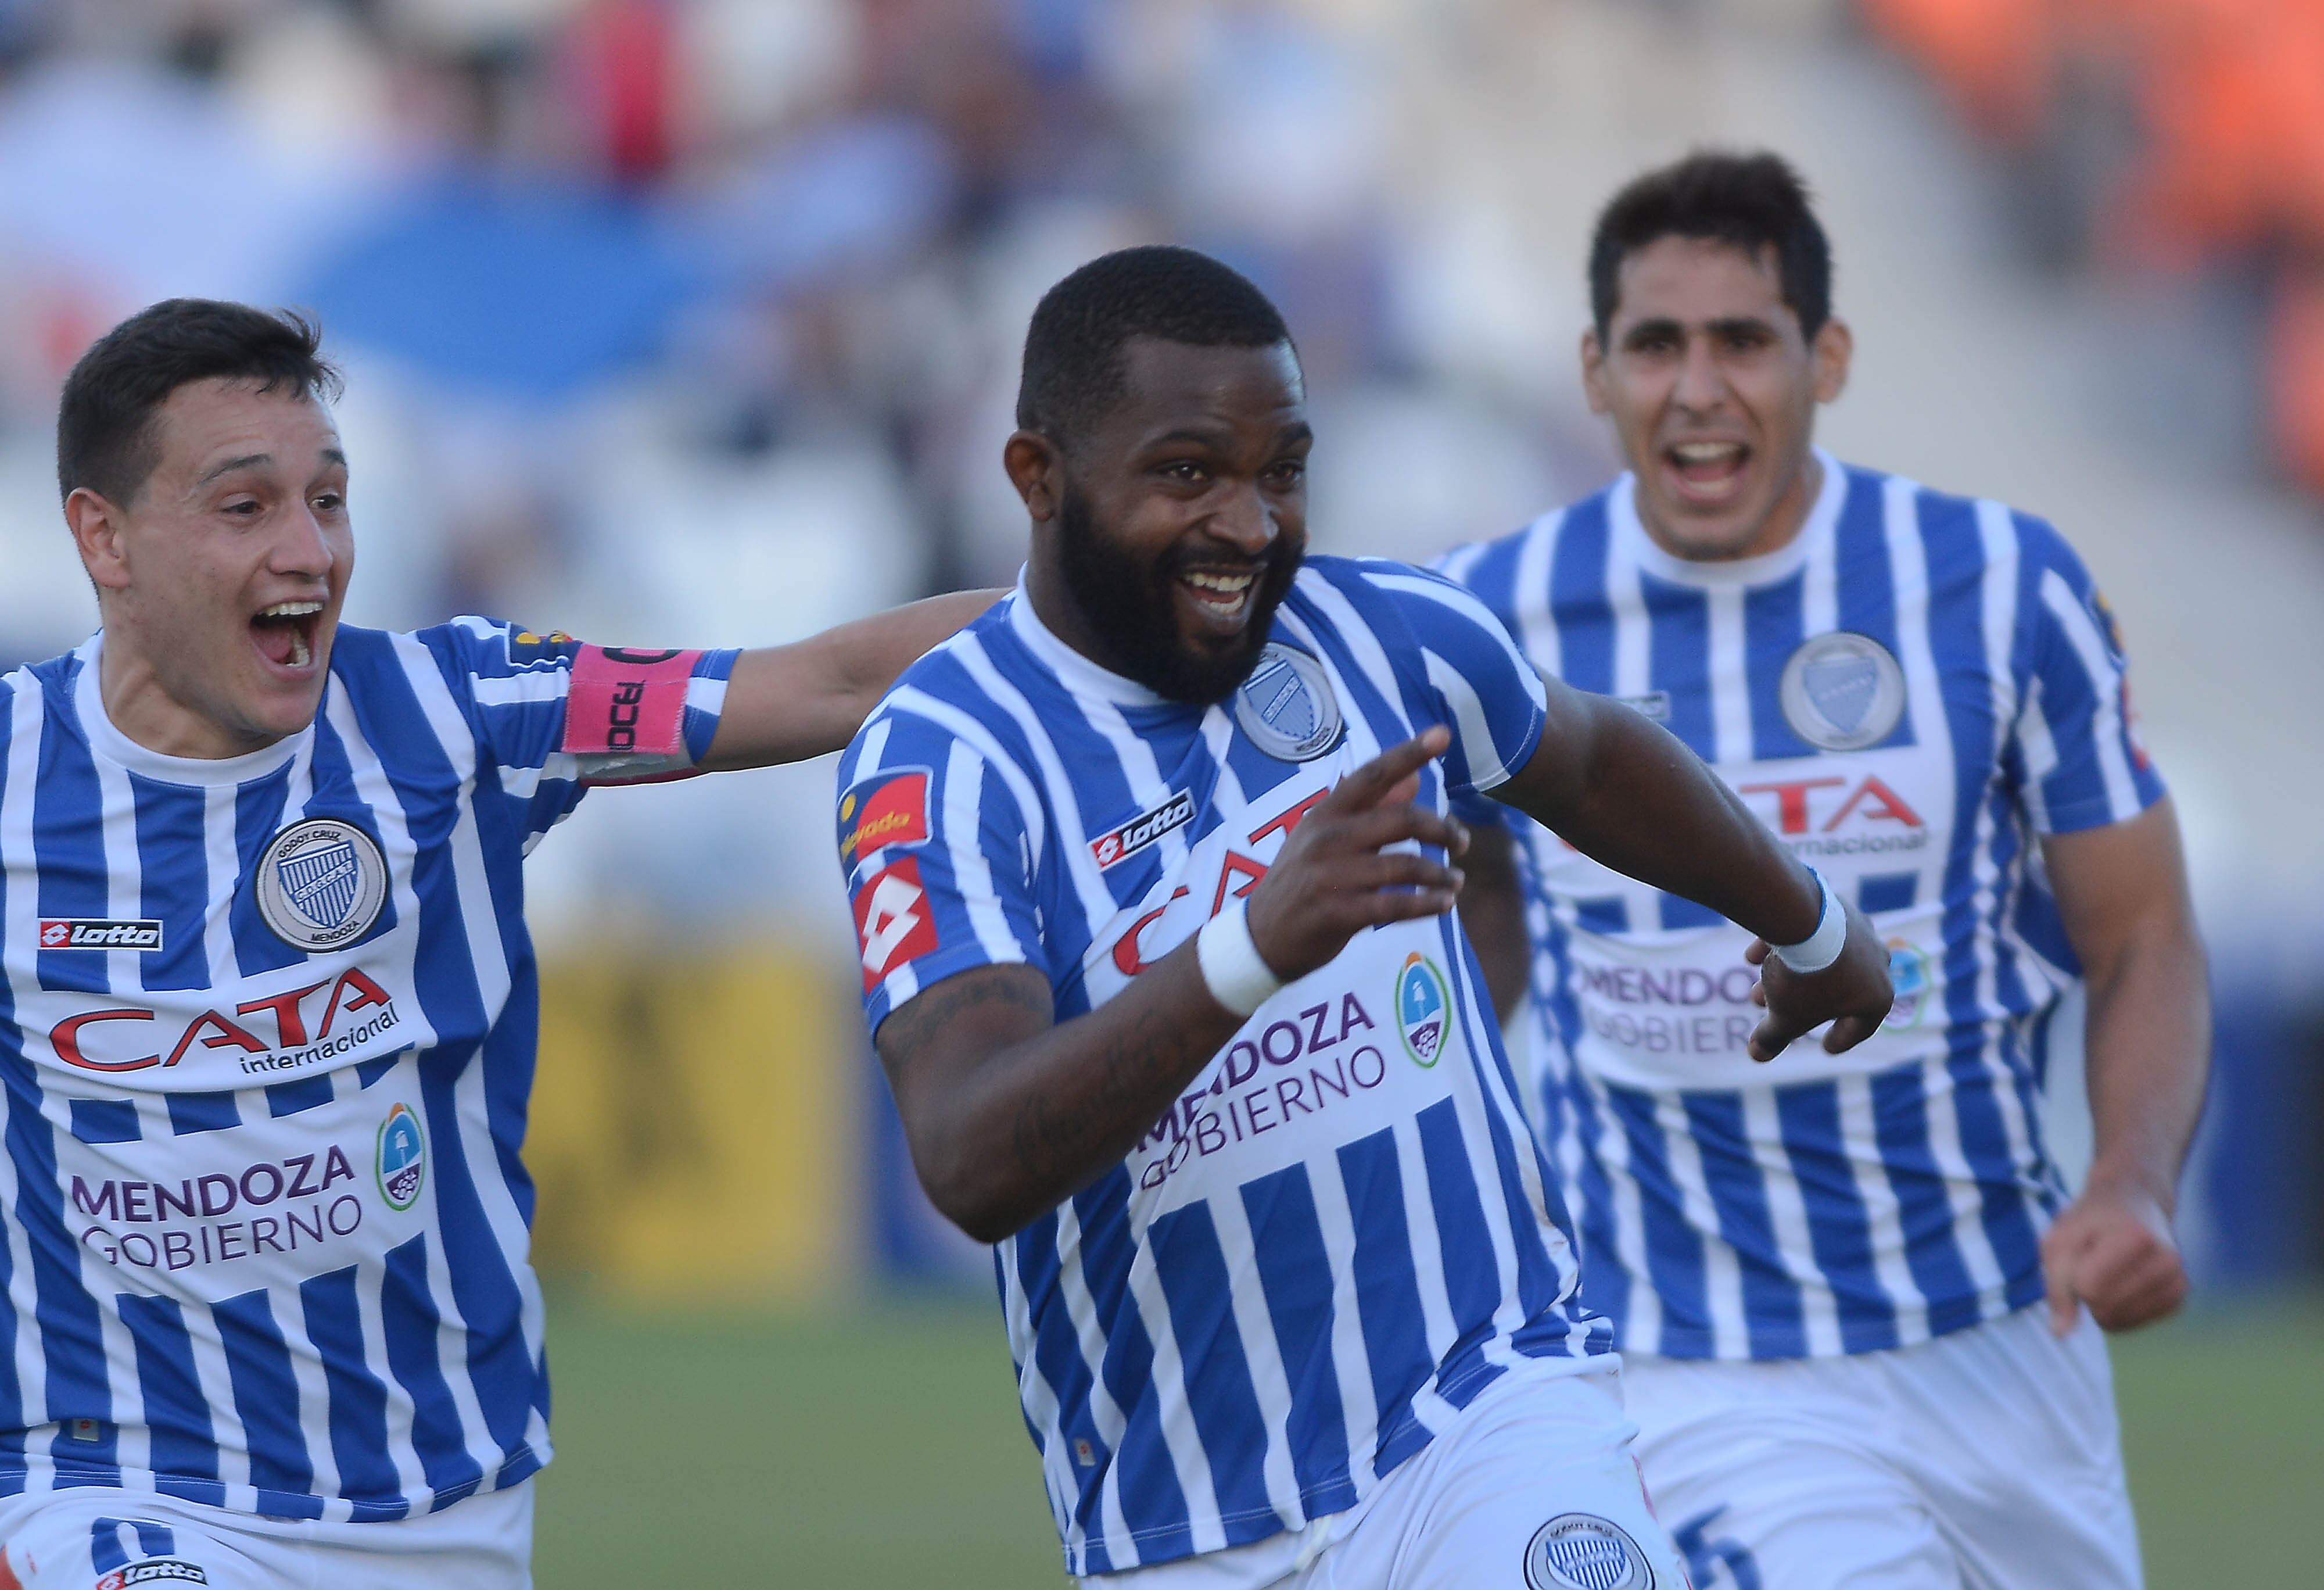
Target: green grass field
[(882, 1448)]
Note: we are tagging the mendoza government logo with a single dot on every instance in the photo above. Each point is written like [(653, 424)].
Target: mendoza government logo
[(1142, 830), (1581, 1551), (321, 883), (1422, 1004), (1286, 707), (1842, 691), (99, 933), (403, 1158)]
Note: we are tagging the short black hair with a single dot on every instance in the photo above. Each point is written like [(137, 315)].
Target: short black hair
[(105, 418), (1074, 367), (1754, 201)]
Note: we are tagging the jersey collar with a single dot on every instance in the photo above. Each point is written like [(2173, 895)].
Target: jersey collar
[(113, 745), (1815, 531), (1080, 675)]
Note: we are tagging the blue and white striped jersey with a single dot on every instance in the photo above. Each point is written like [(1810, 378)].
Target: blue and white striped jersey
[(1910, 694), (1343, 1232), (266, 1031)]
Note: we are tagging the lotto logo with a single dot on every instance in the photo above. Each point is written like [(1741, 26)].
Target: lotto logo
[(156, 1570), (95, 933), (893, 922), (1142, 830)]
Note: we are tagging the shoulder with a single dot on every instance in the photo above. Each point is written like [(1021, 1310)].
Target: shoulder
[(1399, 603), (965, 689), (1492, 568)]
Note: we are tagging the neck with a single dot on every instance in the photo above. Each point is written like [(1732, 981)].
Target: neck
[(139, 703), (1060, 615), (1773, 534)]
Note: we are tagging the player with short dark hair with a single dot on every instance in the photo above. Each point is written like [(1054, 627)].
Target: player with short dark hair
[(1826, 1278), (268, 1006), (1153, 876)]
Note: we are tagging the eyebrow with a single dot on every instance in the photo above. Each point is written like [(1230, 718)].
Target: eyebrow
[(251, 460), (1299, 431), (1669, 325)]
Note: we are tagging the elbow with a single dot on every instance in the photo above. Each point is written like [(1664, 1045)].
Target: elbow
[(961, 1187)]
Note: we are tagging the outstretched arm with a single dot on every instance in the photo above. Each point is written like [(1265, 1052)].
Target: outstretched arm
[(789, 702), (1628, 793), (1008, 1113), (2121, 890)]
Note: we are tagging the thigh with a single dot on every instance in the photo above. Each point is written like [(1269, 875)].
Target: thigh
[(1536, 1492), (114, 1543), (2021, 1459), (1759, 1473)]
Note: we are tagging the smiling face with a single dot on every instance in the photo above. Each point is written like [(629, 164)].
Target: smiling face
[(1712, 389), (1165, 537), (220, 578)]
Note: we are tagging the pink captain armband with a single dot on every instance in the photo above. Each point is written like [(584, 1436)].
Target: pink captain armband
[(627, 703)]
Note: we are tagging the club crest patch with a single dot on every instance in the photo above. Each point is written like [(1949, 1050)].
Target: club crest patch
[(321, 883), (1582, 1551), (1842, 691), (1286, 707)]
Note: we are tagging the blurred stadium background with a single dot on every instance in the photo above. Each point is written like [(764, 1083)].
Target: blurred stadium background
[(697, 321)]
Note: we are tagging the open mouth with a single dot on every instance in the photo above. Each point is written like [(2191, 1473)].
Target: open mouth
[(284, 634), (1221, 599), (1707, 471)]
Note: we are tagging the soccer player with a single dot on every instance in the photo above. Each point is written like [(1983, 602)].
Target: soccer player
[(1827, 1277), (1153, 874), (269, 1007)]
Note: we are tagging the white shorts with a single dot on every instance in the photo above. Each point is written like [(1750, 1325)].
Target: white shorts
[(1531, 1488), (1987, 1459), (107, 1539)]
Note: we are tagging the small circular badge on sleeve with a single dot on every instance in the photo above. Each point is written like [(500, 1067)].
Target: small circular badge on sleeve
[(1582, 1551), (321, 883), (1286, 707), (1842, 691)]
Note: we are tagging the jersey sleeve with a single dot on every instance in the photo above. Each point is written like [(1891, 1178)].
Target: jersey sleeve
[(2081, 760), (1486, 691), (937, 834), (558, 715)]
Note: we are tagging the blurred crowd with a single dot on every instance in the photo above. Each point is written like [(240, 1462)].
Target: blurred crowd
[(2185, 134), (697, 319)]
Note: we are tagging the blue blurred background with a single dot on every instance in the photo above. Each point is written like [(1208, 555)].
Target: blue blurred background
[(697, 321)]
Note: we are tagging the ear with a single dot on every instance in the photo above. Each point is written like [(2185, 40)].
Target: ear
[(1037, 470), (1835, 346), (97, 526), (1594, 373)]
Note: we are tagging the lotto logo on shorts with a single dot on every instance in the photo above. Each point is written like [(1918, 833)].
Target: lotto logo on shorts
[(1581, 1551), (159, 1570), (893, 922)]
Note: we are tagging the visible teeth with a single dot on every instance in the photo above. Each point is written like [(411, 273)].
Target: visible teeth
[(298, 653), (1232, 584), (1706, 452), (291, 610)]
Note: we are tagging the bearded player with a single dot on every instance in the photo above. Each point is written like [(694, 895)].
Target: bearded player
[(270, 1003), (1859, 1312), (1153, 872)]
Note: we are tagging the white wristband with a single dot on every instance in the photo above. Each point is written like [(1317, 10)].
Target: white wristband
[(1236, 974), (1820, 948)]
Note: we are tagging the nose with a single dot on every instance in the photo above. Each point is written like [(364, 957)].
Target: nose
[(301, 548), (1244, 520), (1701, 384)]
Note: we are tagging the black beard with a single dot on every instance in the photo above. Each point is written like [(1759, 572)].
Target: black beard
[(1133, 612)]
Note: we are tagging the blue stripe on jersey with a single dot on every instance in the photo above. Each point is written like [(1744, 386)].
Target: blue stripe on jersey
[(1193, 1275), (1840, 1227), (1918, 1193), (357, 1412), (412, 1327), (72, 852), (202, 1112), (1387, 1287), (266, 1400), (176, 893), (1295, 1271), (105, 1120), (259, 813), (182, 1437)]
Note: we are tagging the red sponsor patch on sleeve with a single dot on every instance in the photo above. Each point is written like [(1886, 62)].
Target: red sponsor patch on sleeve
[(885, 808), (894, 922), (626, 703)]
